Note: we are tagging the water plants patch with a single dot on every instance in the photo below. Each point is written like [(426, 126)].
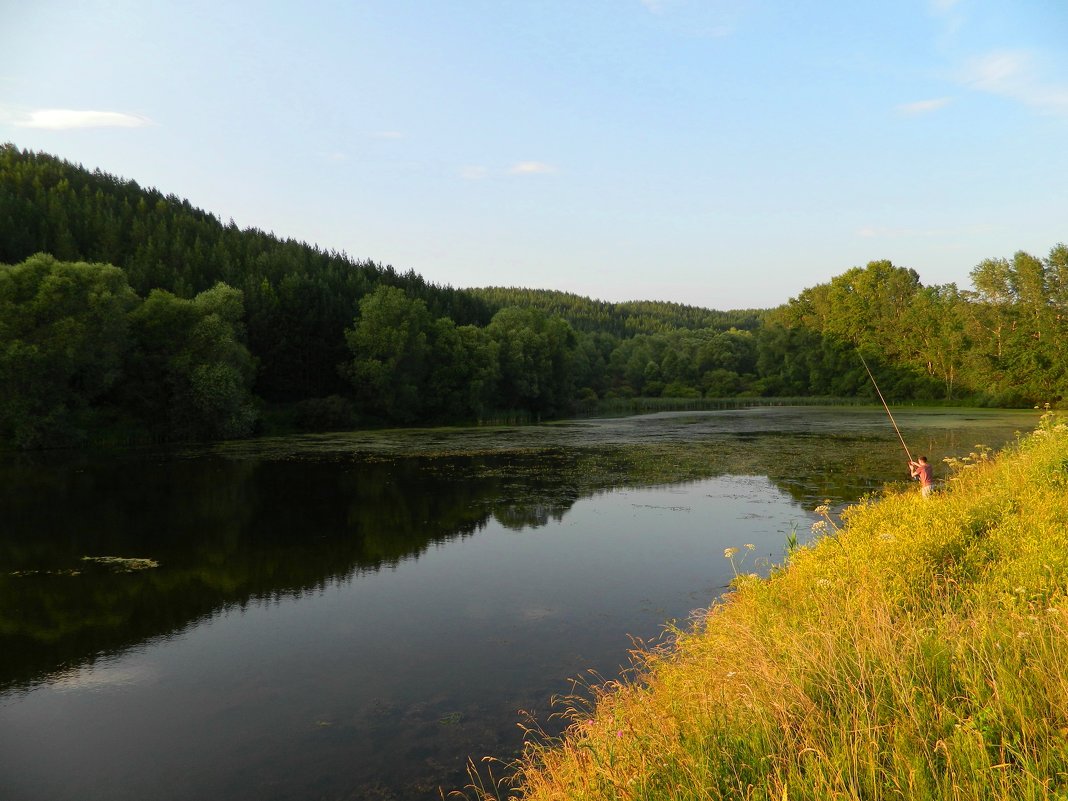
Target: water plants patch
[(122, 564)]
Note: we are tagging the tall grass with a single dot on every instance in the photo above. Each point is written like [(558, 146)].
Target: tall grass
[(917, 651)]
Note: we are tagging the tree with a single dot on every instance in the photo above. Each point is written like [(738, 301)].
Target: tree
[(1014, 319), (939, 342), (462, 380), (867, 306), (390, 349), (63, 338), (1057, 282), (191, 374), (994, 287), (534, 354)]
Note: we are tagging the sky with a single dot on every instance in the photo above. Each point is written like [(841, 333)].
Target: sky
[(717, 153)]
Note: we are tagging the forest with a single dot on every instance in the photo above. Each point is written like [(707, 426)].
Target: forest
[(127, 315)]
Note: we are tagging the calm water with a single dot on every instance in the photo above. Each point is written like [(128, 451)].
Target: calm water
[(354, 616)]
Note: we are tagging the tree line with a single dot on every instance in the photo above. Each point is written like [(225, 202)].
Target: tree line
[(298, 298), (124, 309), (621, 319)]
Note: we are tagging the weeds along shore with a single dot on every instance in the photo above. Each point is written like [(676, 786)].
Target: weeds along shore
[(918, 650)]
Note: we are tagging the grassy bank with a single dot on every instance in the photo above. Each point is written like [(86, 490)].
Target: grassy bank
[(919, 650)]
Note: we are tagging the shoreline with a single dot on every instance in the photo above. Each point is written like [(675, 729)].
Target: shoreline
[(919, 649)]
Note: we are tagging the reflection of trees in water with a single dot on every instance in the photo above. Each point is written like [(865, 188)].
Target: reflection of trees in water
[(529, 515), (225, 533), (231, 531)]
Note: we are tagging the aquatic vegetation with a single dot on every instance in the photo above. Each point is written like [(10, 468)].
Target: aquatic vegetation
[(115, 564), (122, 564), (921, 652)]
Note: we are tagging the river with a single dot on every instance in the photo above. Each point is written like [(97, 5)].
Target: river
[(355, 616)]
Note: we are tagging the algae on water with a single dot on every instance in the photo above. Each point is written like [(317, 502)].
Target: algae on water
[(116, 564), (122, 564)]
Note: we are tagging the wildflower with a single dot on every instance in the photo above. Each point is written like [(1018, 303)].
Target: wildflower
[(819, 527), (823, 509), (729, 553), (749, 546)]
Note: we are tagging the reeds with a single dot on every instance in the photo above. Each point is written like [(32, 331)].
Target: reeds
[(918, 652)]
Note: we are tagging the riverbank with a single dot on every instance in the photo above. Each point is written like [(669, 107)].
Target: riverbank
[(918, 650)]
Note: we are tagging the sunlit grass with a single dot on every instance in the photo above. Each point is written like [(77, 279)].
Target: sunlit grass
[(918, 650)]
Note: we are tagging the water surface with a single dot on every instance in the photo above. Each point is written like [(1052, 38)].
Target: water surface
[(355, 615)]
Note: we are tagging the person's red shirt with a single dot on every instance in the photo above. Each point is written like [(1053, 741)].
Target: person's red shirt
[(923, 472)]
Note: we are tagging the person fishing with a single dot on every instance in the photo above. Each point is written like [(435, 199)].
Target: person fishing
[(922, 471), (917, 468)]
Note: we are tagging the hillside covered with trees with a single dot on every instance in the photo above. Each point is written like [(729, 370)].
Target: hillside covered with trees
[(126, 310), (620, 319)]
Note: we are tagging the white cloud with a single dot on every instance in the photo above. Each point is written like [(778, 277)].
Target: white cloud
[(923, 106), (944, 6), (60, 119), (1012, 74), (999, 72), (655, 6), (531, 168)]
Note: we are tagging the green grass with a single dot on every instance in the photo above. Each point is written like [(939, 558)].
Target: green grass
[(918, 650)]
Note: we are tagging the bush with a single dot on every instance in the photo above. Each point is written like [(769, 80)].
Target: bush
[(677, 389), (1006, 399)]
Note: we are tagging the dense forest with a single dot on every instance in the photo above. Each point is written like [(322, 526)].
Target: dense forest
[(620, 319), (130, 314)]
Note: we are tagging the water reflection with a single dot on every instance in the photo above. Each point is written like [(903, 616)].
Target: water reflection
[(324, 621), (227, 531)]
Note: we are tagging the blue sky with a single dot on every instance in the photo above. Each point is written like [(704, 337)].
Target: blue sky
[(722, 154)]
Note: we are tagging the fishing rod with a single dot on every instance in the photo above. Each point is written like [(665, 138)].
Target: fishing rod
[(892, 421)]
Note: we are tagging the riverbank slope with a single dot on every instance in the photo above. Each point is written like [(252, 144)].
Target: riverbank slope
[(919, 650)]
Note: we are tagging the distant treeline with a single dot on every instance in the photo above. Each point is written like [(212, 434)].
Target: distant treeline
[(621, 319), (125, 310)]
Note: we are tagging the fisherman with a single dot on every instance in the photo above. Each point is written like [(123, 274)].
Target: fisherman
[(922, 470)]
